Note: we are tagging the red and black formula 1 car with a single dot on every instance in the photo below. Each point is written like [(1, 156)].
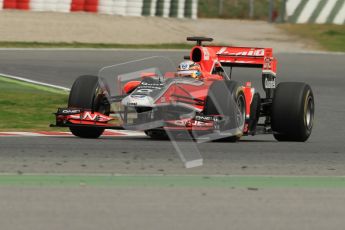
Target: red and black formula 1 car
[(138, 96)]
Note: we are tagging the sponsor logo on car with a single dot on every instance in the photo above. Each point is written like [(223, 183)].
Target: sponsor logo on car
[(204, 118), (253, 52), (191, 123), (70, 111), (270, 83), (138, 96)]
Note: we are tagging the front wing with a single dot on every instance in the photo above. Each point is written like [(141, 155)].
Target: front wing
[(67, 117)]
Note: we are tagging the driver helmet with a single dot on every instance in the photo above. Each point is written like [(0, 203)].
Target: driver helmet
[(189, 69)]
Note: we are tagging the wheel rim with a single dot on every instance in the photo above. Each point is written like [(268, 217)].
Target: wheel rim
[(309, 112), (242, 107), (97, 105)]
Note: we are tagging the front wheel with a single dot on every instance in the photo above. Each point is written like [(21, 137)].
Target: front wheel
[(87, 94), (223, 98), (292, 112), (86, 132)]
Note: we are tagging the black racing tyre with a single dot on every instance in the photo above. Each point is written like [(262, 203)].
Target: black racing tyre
[(218, 95), (157, 134), (86, 132), (254, 112), (83, 95), (292, 114)]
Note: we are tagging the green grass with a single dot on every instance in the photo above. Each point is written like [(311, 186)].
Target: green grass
[(24, 106), (21, 44), (329, 37)]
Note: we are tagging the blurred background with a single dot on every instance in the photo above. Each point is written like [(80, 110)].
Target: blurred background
[(299, 24), (301, 11)]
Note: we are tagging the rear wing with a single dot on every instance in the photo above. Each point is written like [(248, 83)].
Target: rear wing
[(248, 57), (210, 56)]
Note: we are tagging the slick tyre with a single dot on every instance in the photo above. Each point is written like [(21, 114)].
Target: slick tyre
[(220, 100), (292, 112), (83, 95), (254, 113), (157, 134)]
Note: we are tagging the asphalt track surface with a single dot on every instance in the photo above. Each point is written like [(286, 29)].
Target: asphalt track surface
[(323, 154), (189, 207)]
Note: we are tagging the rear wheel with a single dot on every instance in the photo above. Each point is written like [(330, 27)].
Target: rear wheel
[(254, 113), (157, 134), (292, 112), (86, 94), (219, 101)]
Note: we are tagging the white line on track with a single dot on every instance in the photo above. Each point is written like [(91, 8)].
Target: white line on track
[(34, 82)]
